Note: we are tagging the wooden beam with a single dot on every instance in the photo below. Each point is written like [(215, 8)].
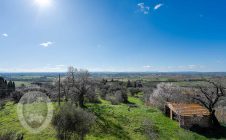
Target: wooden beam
[(171, 114)]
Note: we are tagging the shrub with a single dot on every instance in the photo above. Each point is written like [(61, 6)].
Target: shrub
[(11, 135), (104, 89), (92, 97), (114, 92), (134, 91), (71, 122), (147, 91), (129, 84), (2, 104), (120, 93), (112, 99), (117, 97), (149, 129)]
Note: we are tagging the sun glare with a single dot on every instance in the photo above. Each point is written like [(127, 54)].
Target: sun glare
[(43, 3)]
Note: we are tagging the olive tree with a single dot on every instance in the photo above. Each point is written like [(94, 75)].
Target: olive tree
[(77, 85), (210, 96)]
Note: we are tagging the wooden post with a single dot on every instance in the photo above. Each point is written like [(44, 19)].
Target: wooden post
[(59, 92), (171, 114), (223, 116)]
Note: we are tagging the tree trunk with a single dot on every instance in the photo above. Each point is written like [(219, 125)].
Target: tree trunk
[(81, 137), (81, 100), (214, 121)]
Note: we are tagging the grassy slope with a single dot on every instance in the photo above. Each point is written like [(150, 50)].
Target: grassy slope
[(114, 122)]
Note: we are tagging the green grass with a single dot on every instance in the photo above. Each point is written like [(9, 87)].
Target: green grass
[(9, 121), (121, 123), (114, 122)]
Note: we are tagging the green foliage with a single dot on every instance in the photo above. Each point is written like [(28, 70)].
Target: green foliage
[(6, 87), (3, 88), (115, 92), (10, 87), (104, 90), (134, 91), (149, 129), (2, 104), (11, 135), (70, 122), (129, 84)]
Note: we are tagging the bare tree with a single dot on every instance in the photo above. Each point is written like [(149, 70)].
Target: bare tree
[(65, 88), (209, 96), (83, 84), (77, 85)]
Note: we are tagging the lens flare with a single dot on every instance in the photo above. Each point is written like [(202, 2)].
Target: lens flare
[(43, 3)]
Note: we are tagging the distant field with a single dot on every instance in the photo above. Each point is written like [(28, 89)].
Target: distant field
[(19, 83), (181, 79)]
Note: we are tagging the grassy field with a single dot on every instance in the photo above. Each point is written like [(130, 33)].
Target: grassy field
[(113, 122), (19, 83)]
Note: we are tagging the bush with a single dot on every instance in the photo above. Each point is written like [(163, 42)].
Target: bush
[(92, 97), (134, 91), (149, 129), (117, 97), (113, 100), (119, 92), (2, 104), (72, 123), (11, 135), (104, 89), (115, 92)]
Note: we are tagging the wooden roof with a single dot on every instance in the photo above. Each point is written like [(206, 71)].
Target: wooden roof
[(183, 109)]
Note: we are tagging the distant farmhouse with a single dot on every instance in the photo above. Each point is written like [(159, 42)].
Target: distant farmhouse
[(188, 115)]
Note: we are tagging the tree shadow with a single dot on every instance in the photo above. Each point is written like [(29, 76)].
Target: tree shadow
[(108, 126), (219, 132), (130, 103)]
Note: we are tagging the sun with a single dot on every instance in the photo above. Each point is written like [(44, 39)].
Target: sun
[(43, 3)]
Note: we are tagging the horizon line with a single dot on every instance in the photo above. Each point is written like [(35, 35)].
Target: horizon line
[(123, 72)]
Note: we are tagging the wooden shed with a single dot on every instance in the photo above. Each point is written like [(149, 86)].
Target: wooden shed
[(188, 115)]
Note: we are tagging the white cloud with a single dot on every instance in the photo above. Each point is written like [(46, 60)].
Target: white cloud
[(158, 6), (5, 35), (141, 5), (148, 66), (143, 8), (46, 44)]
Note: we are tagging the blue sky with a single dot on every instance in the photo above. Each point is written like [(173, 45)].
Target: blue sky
[(113, 35)]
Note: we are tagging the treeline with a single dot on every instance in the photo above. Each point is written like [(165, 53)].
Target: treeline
[(6, 87)]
